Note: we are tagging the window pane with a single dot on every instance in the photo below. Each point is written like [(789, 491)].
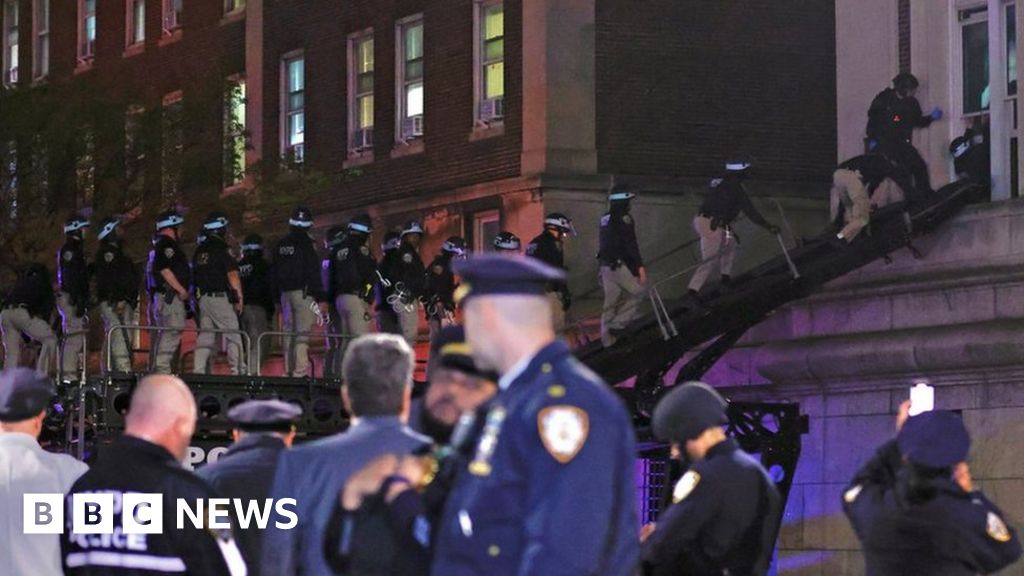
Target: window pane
[(296, 129), (494, 80), (90, 31), (364, 83), (1011, 50), (43, 16), (365, 56), (90, 7), (414, 100), (494, 49), (365, 112), (139, 21), (296, 75), (494, 22), (414, 41), (975, 67), (413, 70), (295, 101)]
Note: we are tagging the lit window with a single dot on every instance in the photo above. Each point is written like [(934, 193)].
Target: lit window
[(234, 132), (86, 30), (360, 92), (974, 47), (490, 85), (410, 78), (10, 55), (1011, 50), (172, 16), (233, 6), (293, 121), (172, 146), (135, 18), (41, 27)]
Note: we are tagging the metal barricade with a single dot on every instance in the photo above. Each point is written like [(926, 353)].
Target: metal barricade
[(259, 341), (246, 343)]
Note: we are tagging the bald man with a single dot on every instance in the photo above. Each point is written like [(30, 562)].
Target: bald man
[(147, 459)]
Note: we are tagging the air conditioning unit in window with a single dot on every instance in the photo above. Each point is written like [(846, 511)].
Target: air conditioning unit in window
[(362, 140), (412, 127), (492, 109)]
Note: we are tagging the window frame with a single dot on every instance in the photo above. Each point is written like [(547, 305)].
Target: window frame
[(354, 43), (171, 19), (130, 30), (238, 8), (484, 242), (41, 40), (11, 50), (480, 63), (286, 148), (976, 14), (402, 83), (86, 46)]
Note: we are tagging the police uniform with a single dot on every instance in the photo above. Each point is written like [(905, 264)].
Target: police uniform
[(387, 316), (441, 284), (936, 528), (73, 297), (134, 465), (619, 257), (27, 310), (297, 276), (713, 224), (333, 238), (25, 468), (548, 247), (407, 276), (246, 470), (854, 183), (549, 488), (257, 294), (117, 289), (213, 266), (167, 309), (353, 273), (892, 118)]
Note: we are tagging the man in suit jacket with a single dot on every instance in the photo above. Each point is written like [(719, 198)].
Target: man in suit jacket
[(377, 371)]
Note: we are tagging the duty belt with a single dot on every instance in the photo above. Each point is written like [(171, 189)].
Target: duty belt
[(12, 306), (201, 294)]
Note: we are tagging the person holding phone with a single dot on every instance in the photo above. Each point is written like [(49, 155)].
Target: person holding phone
[(916, 510)]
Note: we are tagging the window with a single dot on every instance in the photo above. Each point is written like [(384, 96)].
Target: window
[(234, 6), (410, 78), (1011, 50), (974, 49), (486, 225), (135, 19), (86, 30), (135, 151), (41, 32), (234, 132), (293, 111), (490, 57), (10, 55), (360, 92), (172, 16), (172, 146), (85, 165)]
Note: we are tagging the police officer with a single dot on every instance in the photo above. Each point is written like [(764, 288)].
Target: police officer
[(333, 239), (73, 297), (549, 247), (387, 317), (117, 290), (892, 118), (257, 294), (262, 430), (854, 183), (441, 285), (303, 300), (168, 276), (147, 460), (623, 275), (408, 277), (24, 398), (354, 273), (507, 242), (27, 310), (725, 509), (713, 224), (549, 488), (218, 288), (916, 510)]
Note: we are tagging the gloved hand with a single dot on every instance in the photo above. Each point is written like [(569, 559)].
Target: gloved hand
[(936, 114)]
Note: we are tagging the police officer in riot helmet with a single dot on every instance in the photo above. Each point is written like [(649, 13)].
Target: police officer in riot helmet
[(623, 274), (355, 274), (303, 300), (507, 242), (408, 280), (892, 118), (549, 247), (257, 294), (117, 290), (725, 508), (387, 317), (218, 289), (73, 297), (441, 285), (27, 310), (333, 239), (168, 276)]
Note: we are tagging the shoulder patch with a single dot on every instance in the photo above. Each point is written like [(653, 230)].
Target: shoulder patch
[(996, 528), (627, 219), (850, 496), (341, 255), (108, 257), (685, 486), (563, 431), (715, 182), (67, 256), (364, 250), (168, 252), (605, 219), (438, 269), (407, 258)]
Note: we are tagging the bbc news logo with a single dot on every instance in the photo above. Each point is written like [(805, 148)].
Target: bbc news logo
[(139, 513)]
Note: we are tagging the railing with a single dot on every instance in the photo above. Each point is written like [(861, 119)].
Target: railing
[(246, 342), (283, 333)]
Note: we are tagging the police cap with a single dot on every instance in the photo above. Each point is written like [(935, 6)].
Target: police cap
[(361, 224), (392, 240), (687, 411), (271, 415), (252, 243), (24, 393), (107, 226), (75, 223), (937, 439), (507, 241), (334, 236), (620, 193), (449, 349), (412, 227), (302, 217), (454, 245), (169, 219), (215, 220), (501, 274)]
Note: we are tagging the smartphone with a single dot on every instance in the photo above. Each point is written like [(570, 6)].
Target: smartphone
[(922, 399)]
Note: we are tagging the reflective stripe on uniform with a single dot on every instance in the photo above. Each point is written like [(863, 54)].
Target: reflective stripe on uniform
[(120, 560)]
